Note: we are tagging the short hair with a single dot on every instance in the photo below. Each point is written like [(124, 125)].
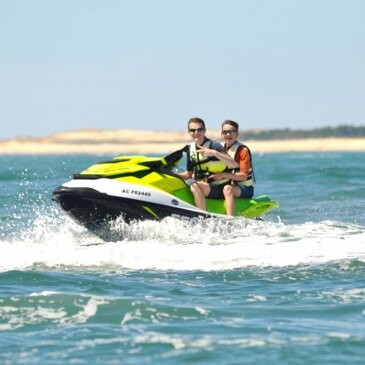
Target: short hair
[(232, 123), (196, 120)]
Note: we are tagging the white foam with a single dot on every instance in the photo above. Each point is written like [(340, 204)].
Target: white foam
[(177, 245), (88, 310), (36, 310), (346, 296)]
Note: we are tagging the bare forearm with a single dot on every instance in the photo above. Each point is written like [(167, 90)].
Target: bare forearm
[(186, 175), (226, 159), (229, 161), (240, 176)]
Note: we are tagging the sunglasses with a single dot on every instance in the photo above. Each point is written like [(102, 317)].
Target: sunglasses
[(229, 131), (193, 130)]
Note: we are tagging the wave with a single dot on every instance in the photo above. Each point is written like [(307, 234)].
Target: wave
[(55, 241)]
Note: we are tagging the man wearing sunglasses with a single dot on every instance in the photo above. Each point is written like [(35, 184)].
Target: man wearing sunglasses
[(237, 182), (205, 159)]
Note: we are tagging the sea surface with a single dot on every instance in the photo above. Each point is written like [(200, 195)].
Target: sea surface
[(286, 290)]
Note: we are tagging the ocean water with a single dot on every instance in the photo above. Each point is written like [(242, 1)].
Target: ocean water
[(286, 290)]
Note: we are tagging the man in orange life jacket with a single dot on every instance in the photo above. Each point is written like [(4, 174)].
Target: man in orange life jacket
[(238, 182)]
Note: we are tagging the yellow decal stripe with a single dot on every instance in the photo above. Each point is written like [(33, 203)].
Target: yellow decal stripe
[(149, 210)]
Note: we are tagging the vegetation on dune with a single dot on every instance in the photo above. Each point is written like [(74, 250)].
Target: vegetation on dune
[(343, 131)]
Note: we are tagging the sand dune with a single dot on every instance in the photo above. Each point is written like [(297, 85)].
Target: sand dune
[(147, 142)]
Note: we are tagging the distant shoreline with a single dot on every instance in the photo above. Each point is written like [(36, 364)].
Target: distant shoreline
[(121, 142)]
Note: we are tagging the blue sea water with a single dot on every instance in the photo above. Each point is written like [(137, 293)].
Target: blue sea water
[(286, 290)]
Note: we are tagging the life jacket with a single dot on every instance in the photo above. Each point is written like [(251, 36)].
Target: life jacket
[(232, 152), (204, 166)]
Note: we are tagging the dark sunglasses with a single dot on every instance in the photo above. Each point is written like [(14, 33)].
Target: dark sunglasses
[(193, 130), (229, 131)]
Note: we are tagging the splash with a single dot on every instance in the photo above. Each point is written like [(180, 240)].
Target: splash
[(55, 241)]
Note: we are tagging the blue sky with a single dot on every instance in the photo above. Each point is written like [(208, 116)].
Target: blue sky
[(153, 64)]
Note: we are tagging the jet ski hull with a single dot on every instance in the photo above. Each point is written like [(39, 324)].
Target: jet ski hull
[(96, 211)]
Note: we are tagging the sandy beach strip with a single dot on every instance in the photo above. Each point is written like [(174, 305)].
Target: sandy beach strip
[(122, 142)]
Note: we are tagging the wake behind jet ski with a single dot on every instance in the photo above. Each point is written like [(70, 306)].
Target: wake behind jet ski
[(140, 188)]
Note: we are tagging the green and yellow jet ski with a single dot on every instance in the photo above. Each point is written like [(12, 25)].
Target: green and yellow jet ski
[(140, 188)]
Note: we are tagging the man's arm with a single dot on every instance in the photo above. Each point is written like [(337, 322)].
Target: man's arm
[(185, 174), (229, 161)]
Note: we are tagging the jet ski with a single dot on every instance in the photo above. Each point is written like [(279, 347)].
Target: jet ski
[(140, 188)]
